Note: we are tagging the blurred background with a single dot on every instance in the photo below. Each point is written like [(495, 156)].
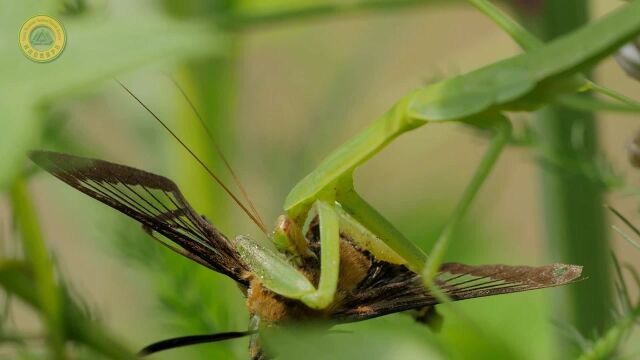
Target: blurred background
[(279, 95)]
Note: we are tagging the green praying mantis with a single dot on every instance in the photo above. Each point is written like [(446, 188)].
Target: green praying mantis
[(329, 232), (477, 98)]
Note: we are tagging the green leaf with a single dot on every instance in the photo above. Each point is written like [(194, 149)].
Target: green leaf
[(17, 278), (96, 50), (385, 343), (608, 344), (37, 255)]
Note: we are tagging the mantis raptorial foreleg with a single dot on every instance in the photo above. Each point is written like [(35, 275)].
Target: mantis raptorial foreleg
[(523, 82), (334, 175), (329, 257), (280, 276)]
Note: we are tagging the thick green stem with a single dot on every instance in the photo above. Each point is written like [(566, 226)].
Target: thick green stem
[(572, 202)]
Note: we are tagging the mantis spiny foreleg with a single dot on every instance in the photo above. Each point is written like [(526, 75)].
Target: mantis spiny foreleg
[(280, 276)]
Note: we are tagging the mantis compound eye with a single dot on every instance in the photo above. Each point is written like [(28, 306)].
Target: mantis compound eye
[(628, 57), (288, 238)]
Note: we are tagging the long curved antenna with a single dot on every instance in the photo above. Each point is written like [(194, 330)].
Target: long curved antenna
[(206, 168), (236, 179), (192, 340)]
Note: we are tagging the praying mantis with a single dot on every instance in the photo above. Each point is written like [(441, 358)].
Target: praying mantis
[(333, 256)]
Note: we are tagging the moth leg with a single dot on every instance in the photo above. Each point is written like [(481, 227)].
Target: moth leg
[(256, 351), (329, 257), (429, 316)]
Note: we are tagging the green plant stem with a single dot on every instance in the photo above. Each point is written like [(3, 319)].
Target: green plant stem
[(500, 139), (594, 104), (634, 104), (242, 21), (520, 35), (38, 258), (626, 237), (609, 343), (572, 203)]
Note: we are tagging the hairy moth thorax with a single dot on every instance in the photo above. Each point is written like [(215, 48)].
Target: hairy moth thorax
[(272, 308)]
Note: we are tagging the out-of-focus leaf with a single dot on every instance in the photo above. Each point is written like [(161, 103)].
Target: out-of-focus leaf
[(608, 344), (387, 343), (252, 13), (37, 255), (16, 278), (96, 49)]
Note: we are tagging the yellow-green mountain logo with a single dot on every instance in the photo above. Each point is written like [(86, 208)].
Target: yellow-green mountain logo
[(42, 38)]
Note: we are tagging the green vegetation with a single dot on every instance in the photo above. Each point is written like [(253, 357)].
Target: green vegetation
[(202, 46)]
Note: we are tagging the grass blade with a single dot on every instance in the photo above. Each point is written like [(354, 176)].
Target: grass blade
[(38, 259)]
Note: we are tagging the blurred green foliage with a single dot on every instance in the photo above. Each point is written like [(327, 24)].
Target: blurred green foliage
[(201, 44)]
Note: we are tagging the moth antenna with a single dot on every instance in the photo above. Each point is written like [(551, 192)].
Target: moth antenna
[(192, 340), (236, 178), (206, 168)]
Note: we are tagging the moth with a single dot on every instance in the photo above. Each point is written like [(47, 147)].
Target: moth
[(367, 286), (333, 257)]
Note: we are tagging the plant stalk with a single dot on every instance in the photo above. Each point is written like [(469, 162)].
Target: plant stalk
[(42, 266), (436, 257), (574, 218)]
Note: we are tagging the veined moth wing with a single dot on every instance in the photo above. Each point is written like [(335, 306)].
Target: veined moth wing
[(389, 288), (462, 281), (154, 201)]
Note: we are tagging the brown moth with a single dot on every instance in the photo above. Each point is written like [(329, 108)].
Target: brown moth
[(367, 287)]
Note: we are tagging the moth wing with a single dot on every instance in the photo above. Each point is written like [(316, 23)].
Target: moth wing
[(460, 281), (153, 200), (391, 288)]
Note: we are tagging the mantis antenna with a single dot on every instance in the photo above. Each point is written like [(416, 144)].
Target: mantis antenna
[(204, 166), (236, 179)]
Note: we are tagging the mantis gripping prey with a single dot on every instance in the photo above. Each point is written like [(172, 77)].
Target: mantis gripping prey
[(334, 257), (326, 264)]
